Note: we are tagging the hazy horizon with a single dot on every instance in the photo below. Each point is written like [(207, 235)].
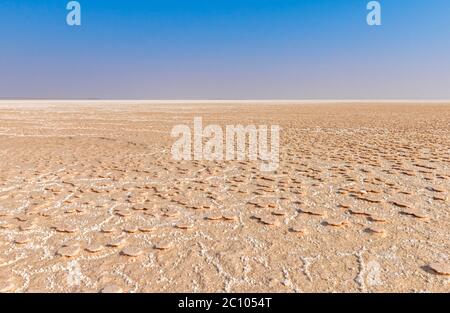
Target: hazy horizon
[(219, 50)]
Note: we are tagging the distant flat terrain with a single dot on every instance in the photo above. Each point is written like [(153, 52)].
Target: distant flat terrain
[(91, 199)]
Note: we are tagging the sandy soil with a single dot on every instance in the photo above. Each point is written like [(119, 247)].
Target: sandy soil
[(91, 200)]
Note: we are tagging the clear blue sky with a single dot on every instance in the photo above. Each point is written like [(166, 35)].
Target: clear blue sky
[(225, 49)]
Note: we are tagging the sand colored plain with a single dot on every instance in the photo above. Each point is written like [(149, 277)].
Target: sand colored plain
[(91, 200)]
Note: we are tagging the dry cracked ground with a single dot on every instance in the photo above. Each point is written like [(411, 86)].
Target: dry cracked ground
[(91, 200)]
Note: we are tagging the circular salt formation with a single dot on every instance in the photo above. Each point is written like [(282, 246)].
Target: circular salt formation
[(94, 247), (22, 218), (46, 214), (416, 213), (214, 217), (163, 245), (185, 226), (378, 218), (71, 229), (22, 240), (7, 225), (139, 207), (437, 189), (312, 211), (70, 251), (123, 212), (258, 216), (108, 229), (400, 204), (229, 216), (72, 243), (298, 229), (130, 229), (66, 229), (117, 242), (357, 211), (60, 229), (112, 289), (279, 212), (26, 226), (440, 268), (147, 229), (377, 230), (171, 213), (132, 251), (269, 221), (337, 222)]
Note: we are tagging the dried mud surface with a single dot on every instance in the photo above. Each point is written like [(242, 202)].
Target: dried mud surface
[(91, 200)]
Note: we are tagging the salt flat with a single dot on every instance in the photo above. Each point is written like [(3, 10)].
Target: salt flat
[(91, 199)]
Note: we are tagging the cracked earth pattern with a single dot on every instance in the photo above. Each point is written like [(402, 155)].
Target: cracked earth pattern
[(91, 200)]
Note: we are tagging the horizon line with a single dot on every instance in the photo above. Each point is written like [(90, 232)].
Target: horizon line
[(217, 101)]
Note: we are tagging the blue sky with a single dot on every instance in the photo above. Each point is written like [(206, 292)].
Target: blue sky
[(225, 49)]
